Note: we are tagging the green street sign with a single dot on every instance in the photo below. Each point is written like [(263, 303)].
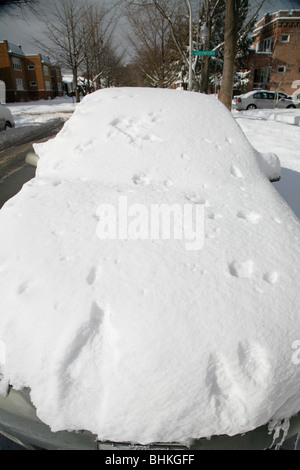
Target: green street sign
[(211, 53)]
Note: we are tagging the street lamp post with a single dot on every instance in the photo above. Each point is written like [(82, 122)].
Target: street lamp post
[(190, 86), (204, 35)]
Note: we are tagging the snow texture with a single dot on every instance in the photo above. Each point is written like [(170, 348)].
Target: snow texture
[(144, 340)]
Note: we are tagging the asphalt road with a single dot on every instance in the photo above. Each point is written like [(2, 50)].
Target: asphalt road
[(14, 171), (13, 183), (7, 444), (12, 156)]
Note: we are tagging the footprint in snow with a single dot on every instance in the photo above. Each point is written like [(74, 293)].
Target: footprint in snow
[(252, 217), (231, 383), (141, 179), (91, 277), (236, 172), (271, 277), (23, 288), (243, 269)]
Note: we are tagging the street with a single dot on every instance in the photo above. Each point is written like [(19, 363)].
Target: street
[(12, 184), (7, 444), (14, 171), (12, 157)]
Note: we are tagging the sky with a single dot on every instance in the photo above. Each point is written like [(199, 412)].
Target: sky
[(22, 31)]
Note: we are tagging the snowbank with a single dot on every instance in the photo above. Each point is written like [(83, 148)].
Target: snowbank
[(34, 119), (144, 340), (280, 137), (63, 105), (27, 133), (289, 116)]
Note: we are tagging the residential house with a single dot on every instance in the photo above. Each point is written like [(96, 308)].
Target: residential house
[(12, 71), (44, 78), (274, 61), (28, 77)]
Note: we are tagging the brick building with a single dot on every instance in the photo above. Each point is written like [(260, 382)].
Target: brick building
[(12, 71), (274, 61), (28, 77), (43, 78)]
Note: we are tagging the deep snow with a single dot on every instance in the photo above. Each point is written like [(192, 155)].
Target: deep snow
[(278, 132), (143, 340)]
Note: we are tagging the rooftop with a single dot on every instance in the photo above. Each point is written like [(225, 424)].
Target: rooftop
[(276, 16), (14, 49)]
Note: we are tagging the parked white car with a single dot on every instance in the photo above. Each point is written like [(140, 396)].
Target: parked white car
[(6, 118), (264, 99)]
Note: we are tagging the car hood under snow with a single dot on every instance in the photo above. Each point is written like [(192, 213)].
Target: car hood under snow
[(141, 338)]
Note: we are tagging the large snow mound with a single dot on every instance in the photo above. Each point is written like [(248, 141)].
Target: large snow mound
[(145, 340)]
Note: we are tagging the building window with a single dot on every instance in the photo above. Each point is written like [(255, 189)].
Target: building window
[(262, 77), (33, 83), (285, 38), (20, 85), (31, 67), (48, 86), (268, 44), (16, 64), (46, 70), (281, 69)]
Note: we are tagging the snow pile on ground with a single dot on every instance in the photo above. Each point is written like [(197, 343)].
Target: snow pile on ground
[(148, 339), (34, 118), (289, 116), (39, 111), (267, 134), (27, 133)]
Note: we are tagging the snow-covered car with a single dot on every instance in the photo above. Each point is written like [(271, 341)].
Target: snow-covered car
[(6, 118), (149, 281), (264, 99)]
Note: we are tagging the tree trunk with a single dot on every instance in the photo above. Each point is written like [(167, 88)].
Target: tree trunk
[(230, 47), (75, 79)]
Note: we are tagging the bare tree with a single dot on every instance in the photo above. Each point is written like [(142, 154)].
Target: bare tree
[(63, 34), (226, 43), (79, 35), (153, 27), (100, 57)]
